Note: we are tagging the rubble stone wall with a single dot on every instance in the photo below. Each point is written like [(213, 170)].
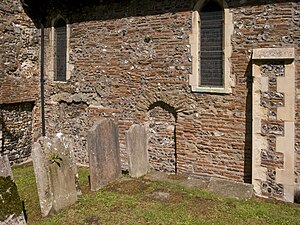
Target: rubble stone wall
[(129, 55), (17, 131), (19, 78), (19, 54), (162, 139)]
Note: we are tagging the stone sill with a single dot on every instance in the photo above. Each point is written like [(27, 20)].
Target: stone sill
[(60, 82), (210, 90)]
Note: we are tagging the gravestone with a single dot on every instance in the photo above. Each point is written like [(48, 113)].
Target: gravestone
[(136, 146), (104, 153), (5, 169), (55, 171), (11, 210)]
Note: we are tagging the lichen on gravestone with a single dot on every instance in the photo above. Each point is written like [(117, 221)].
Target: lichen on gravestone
[(10, 203), (104, 153), (5, 169), (136, 146), (55, 171)]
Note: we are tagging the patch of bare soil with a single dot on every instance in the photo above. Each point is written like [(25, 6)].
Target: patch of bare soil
[(202, 207), (93, 220), (177, 177), (165, 195), (128, 187)]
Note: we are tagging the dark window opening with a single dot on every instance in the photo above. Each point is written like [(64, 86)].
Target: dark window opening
[(211, 45), (60, 50)]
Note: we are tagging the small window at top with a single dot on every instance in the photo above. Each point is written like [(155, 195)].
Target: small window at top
[(60, 50), (211, 45)]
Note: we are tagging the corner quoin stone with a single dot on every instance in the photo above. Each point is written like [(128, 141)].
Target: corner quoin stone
[(104, 153), (136, 145)]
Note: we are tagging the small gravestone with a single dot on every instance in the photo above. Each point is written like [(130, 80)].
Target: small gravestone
[(104, 154), (55, 171), (5, 169), (136, 146), (11, 210)]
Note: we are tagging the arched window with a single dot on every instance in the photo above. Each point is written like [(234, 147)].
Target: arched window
[(212, 27), (60, 50), (211, 44)]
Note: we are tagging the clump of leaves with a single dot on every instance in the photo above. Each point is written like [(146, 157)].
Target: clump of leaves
[(55, 158)]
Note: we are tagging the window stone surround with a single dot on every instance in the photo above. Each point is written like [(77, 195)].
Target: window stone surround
[(194, 79), (51, 62)]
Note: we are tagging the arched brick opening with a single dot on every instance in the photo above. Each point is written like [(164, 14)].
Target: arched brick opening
[(162, 120), (163, 109)]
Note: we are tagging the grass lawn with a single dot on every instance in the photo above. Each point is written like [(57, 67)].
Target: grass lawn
[(141, 201)]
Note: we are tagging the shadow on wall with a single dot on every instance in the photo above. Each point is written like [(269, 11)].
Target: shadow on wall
[(297, 197), (16, 120), (1, 133), (165, 106), (9, 142), (76, 10), (248, 135)]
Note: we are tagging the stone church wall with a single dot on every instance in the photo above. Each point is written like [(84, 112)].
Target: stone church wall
[(131, 61)]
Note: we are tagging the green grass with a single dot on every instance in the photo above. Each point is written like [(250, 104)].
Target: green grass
[(133, 201)]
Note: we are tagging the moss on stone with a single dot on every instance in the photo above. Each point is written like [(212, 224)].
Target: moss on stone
[(10, 202)]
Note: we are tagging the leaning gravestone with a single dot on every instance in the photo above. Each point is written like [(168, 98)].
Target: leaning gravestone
[(11, 211), (104, 153), (136, 146), (55, 172), (5, 169)]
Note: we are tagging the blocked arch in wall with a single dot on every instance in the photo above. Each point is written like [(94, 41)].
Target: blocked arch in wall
[(157, 105), (162, 119)]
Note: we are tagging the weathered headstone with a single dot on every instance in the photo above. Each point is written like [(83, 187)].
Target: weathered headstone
[(5, 169), (104, 153), (55, 171), (136, 146), (11, 211)]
